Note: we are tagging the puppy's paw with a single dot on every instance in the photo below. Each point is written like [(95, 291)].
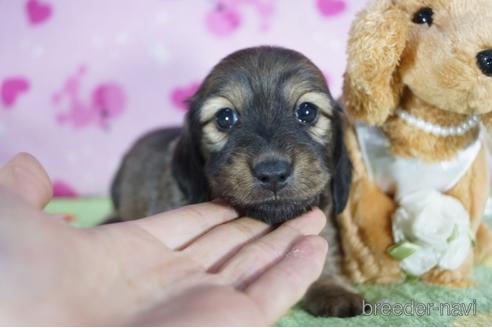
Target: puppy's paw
[(333, 301)]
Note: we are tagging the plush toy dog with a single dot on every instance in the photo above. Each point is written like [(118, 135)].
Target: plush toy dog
[(417, 88)]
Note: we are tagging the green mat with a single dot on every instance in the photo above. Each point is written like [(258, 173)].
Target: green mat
[(430, 305)]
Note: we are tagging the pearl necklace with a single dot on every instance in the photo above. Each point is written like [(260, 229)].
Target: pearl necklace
[(472, 122)]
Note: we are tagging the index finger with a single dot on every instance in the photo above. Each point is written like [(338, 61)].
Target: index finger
[(179, 227), (286, 282)]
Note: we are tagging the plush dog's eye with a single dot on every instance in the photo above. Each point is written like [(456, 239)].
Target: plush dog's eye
[(226, 118), (307, 113), (424, 16)]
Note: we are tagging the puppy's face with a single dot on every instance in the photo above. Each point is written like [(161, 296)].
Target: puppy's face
[(448, 56), (269, 133)]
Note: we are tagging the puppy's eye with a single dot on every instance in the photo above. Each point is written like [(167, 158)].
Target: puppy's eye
[(424, 16), (226, 118), (307, 113)]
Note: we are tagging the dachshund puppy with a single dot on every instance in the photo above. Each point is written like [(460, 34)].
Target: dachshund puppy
[(262, 133)]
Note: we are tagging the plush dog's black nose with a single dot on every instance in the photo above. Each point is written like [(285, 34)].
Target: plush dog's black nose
[(273, 174), (484, 59)]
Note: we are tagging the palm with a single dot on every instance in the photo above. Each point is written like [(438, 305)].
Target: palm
[(231, 269), (192, 266)]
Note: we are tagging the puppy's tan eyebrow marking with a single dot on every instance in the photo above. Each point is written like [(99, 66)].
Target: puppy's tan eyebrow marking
[(299, 90), (321, 129), (211, 106), (321, 100), (295, 88)]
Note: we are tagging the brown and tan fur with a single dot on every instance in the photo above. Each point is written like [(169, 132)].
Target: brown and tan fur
[(431, 72), (201, 161)]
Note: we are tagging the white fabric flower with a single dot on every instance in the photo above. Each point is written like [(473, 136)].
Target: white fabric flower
[(430, 229)]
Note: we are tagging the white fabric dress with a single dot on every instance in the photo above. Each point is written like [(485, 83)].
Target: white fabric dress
[(430, 229)]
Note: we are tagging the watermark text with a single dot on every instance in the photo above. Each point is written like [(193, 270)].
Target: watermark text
[(420, 309)]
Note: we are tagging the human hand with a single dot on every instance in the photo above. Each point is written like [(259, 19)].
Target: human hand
[(190, 266)]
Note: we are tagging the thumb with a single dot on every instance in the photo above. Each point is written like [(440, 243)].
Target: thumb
[(24, 176)]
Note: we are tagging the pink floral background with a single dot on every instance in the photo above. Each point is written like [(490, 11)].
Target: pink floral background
[(81, 80)]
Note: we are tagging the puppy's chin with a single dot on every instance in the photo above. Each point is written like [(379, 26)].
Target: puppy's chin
[(276, 212)]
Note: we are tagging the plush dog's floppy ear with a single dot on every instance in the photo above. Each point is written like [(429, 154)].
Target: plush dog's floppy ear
[(342, 176), (372, 86), (487, 122), (188, 162)]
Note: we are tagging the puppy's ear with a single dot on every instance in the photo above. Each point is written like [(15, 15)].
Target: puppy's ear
[(372, 84), (188, 162), (342, 176)]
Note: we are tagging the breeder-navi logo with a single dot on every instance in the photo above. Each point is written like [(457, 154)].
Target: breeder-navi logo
[(420, 309)]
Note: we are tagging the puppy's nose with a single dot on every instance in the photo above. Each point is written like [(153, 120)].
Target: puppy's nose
[(273, 174), (484, 59)]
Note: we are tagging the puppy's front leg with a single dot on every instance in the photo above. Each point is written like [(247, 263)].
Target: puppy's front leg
[(332, 295)]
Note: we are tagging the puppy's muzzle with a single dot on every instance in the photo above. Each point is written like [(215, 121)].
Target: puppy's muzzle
[(273, 174), (484, 60)]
